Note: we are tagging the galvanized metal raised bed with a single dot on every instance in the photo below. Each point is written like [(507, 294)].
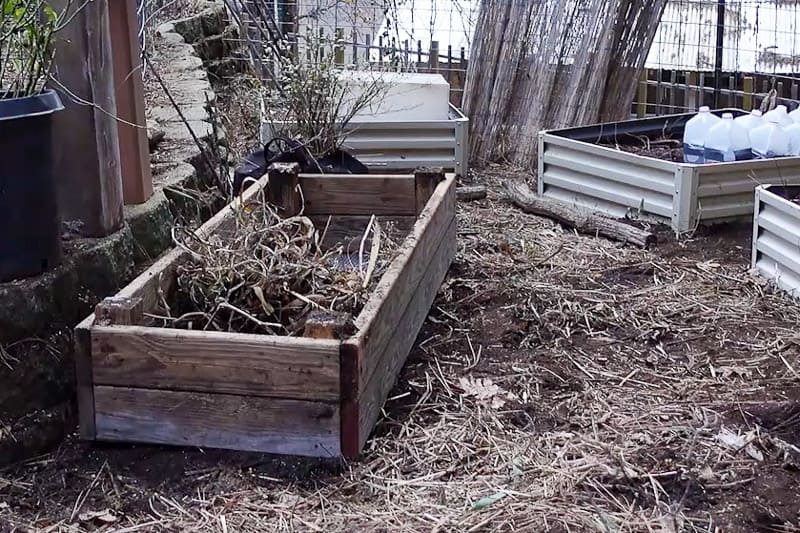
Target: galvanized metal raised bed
[(404, 146), (574, 168), (776, 236)]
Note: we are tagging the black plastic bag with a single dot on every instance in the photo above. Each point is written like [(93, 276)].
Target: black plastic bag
[(284, 150)]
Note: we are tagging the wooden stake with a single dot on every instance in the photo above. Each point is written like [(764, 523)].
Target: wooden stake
[(283, 187)]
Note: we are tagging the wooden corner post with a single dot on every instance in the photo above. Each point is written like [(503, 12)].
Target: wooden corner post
[(425, 182), (283, 188), (85, 134), (137, 179)]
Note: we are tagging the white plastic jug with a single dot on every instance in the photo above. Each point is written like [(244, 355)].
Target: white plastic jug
[(694, 135), (753, 120), (770, 140), (795, 115), (794, 138), (727, 141), (783, 116)]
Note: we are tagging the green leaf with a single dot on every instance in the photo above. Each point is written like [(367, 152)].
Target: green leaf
[(50, 13), (488, 500)]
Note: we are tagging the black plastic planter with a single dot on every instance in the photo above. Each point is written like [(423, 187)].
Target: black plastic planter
[(30, 240)]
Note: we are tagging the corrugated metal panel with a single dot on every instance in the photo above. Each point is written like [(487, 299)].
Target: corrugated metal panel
[(600, 180), (776, 240), (726, 190), (407, 145)]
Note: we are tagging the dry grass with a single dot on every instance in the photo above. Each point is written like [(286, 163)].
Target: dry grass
[(267, 273), (629, 390)]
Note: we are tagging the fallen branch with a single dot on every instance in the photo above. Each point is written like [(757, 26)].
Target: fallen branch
[(521, 196), (469, 193)]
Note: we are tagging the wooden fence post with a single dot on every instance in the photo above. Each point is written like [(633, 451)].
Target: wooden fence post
[(691, 91), (85, 134), (641, 104), (137, 179), (748, 89), (433, 56), (338, 50)]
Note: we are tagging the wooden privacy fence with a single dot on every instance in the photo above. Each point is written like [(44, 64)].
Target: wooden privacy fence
[(662, 92)]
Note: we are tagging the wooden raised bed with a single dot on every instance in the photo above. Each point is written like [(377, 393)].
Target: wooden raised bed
[(286, 395)]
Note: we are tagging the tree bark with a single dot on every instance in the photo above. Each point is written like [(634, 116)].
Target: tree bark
[(469, 193), (521, 196)]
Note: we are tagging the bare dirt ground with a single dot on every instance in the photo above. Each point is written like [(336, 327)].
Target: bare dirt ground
[(561, 383)]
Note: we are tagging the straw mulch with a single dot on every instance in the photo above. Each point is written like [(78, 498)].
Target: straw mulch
[(561, 383)]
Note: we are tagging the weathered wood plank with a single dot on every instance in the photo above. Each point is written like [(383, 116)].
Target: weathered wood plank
[(82, 351), (391, 360), (377, 321), (211, 361), (137, 179), (118, 311), (87, 151), (268, 425), (358, 195), (282, 188)]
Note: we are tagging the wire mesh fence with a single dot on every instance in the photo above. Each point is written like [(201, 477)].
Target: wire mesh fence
[(721, 53), (401, 35)]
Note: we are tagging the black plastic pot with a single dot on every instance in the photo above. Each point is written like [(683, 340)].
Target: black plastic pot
[(285, 150), (30, 240)]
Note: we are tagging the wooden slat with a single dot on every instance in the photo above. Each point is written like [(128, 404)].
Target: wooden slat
[(267, 425), (377, 321), (137, 179), (348, 228), (82, 350), (405, 330), (211, 361), (358, 195), (86, 144)]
